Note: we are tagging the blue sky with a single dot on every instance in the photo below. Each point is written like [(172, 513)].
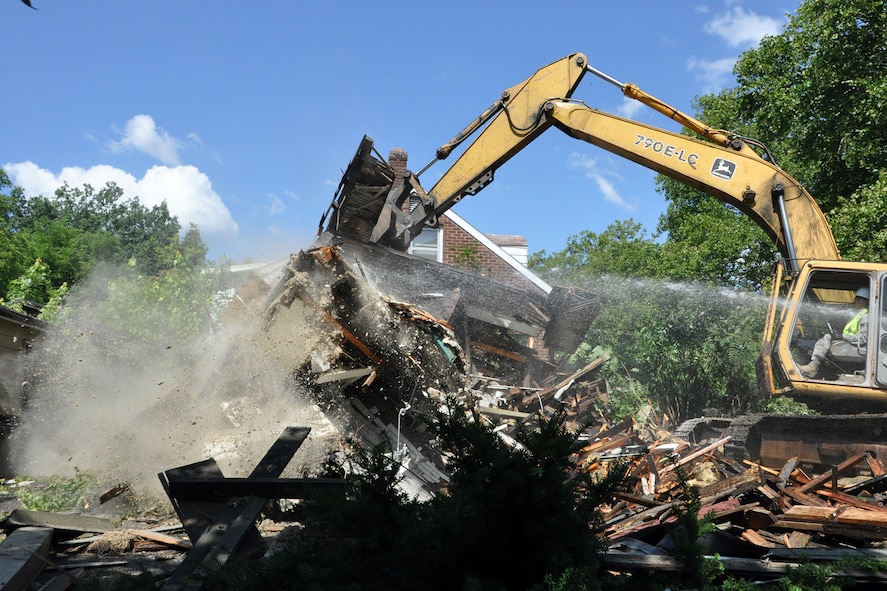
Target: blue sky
[(242, 115)]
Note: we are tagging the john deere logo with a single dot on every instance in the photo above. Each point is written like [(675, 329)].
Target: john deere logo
[(723, 169)]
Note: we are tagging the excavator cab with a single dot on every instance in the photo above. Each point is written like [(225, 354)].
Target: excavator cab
[(820, 365)]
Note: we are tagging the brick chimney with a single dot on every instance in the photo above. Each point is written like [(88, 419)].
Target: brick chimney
[(397, 160)]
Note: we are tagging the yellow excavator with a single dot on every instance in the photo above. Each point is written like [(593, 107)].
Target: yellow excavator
[(813, 291)]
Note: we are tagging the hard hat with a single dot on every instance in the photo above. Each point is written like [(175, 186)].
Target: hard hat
[(862, 292)]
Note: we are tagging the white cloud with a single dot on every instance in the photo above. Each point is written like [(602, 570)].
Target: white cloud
[(275, 204), (592, 171), (742, 29), (629, 107), (739, 29), (187, 191), (142, 134), (714, 73)]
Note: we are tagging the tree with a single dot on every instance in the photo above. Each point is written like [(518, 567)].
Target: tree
[(816, 95), (32, 287), (79, 228), (691, 346), (712, 242), (623, 249)]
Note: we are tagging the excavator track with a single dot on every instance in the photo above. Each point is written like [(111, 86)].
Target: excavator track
[(820, 441)]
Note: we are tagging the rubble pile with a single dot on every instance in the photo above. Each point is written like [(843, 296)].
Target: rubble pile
[(382, 345)]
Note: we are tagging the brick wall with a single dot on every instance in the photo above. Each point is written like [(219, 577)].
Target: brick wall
[(460, 249)]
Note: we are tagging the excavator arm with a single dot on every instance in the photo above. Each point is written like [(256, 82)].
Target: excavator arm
[(722, 165), (387, 205)]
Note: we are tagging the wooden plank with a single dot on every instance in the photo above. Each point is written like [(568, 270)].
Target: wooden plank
[(842, 467), (632, 561), (701, 452), (786, 472), (734, 485), (264, 487), (744, 567), (808, 513), (857, 516), (22, 556), (162, 538), (804, 498), (875, 465), (833, 528), (231, 523), (608, 444), (843, 498), (494, 410), (756, 539), (339, 376), (797, 539), (62, 521)]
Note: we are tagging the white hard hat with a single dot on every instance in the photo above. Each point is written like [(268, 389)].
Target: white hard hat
[(862, 292)]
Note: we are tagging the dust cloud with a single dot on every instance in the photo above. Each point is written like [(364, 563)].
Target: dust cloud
[(128, 408)]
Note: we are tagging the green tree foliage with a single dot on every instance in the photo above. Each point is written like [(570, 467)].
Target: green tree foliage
[(816, 95), (712, 242), (502, 502), (623, 249), (860, 222), (77, 229), (34, 287), (691, 346), (180, 302)]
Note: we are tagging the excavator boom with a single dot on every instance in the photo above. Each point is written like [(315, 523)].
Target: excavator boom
[(816, 284), (723, 166)]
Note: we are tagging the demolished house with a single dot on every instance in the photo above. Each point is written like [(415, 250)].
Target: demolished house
[(389, 337)]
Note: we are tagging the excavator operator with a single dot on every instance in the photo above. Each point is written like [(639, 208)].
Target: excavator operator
[(846, 344)]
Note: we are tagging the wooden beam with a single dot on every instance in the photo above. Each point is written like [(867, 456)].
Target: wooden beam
[(265, 487), (230, 524), (826, 477), (22, 556)]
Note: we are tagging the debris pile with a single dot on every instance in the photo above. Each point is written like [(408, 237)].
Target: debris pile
[(383, 341)]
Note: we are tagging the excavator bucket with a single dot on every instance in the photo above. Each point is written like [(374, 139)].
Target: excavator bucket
[(360, 205)]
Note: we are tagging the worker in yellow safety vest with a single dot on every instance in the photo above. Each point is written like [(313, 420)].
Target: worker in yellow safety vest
[(848, 342)]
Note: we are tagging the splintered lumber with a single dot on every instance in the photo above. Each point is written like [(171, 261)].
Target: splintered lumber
[(739, 483), (803, 498), (161, 538), (786, 472), (753, 537), (22, 556), (828, 476), (499, 351), (695, 454), (597, 363)]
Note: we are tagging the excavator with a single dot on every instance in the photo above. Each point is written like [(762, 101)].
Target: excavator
[(813, 289)]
